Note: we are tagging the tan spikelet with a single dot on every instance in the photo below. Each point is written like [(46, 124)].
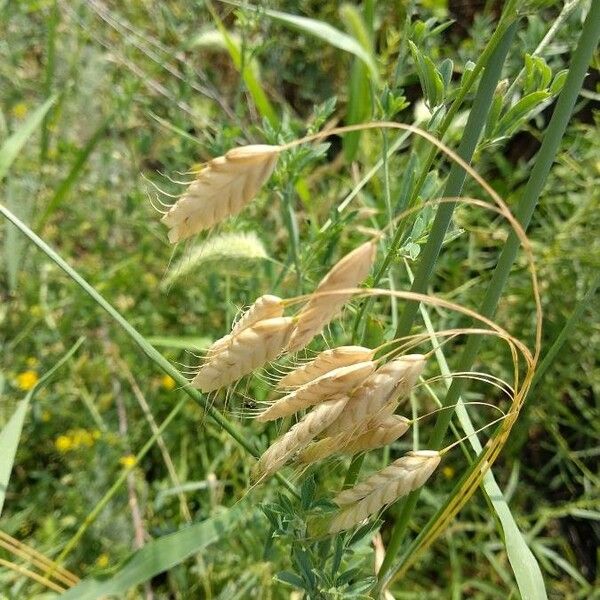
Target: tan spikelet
[(380, 489), (380, 433), (264, 307), (333, 383), (379, 395), (251, 348), (324, 362), (348, 273), (222, 189), (298, 436)]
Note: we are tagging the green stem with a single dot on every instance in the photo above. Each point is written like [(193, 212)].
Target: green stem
[(149, 350), (545, 158)]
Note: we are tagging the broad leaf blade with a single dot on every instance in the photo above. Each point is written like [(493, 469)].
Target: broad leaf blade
[(159, 555)]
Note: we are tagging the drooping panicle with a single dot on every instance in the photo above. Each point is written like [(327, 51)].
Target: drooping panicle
[(221, 189)]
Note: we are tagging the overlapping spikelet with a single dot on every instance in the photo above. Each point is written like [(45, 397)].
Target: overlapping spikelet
[(382, 488), (222, 189), (348, 273), (250, 349), (264, 307), (325, 361), (380, 432), (379, 395), (298, 436), (339, 381)]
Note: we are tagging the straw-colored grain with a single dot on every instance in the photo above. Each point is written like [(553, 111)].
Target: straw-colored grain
[(327, 360), (381, 489), (298, 436), (379, 395), (348, 273), (222, 189), (339, 381), (248, 350)]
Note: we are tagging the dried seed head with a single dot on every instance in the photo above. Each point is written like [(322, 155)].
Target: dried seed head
[(324, 362), (223, 187), (298, 436), (251, 348), (264, 307), (380, 432), (379, 395), (336, 382), (380, 489), (348, 273)]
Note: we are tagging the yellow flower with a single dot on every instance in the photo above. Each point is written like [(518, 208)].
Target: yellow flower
[(82, 437), (63, 443), (448, 472), (32, 362), (167, 382), (19, 110), (26, 380), (46, 416), (128, 461), (102, 561)]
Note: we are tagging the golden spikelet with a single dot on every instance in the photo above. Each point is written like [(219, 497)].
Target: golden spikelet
[(298, 436), (379, 395), (324, 362), (264, 307), (382, 488), (348, 273), (380, 432), (251, 348), (333, 383), (222, 189)]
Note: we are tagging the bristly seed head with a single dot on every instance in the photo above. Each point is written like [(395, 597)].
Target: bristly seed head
[(398, 479), (222, 189), (348, 273), (324, 362), (250, 349)]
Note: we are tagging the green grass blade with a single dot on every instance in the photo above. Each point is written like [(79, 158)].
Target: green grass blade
[(49, 76), (322, 31), (161, 555), (12, 146), (11, 432), (180, 343), (74, 173), (249, 72)]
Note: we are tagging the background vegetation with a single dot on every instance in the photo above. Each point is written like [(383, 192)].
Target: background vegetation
[(142, 92)]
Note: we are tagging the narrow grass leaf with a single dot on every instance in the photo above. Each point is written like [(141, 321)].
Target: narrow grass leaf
[(161, 555), (12, 146)]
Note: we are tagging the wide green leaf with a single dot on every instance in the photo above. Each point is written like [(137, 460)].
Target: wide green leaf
[(160, 555)]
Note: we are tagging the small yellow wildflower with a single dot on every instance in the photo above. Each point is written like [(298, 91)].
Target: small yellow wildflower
[(448, 472), (102, 561), (167, 382), (32, 362), (128, 461), (63, 443), (46, 416), (19, 110), (26, 380), (82, 437)]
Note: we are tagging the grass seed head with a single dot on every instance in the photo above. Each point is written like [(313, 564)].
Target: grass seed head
[(333, 383), (348, 273), (298, 436), (379, 395), (250, 349), (324, 362), (222, 189), (398, 479)]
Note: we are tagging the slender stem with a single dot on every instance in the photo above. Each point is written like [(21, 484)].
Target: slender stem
[(545, 158), (154, 355)]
